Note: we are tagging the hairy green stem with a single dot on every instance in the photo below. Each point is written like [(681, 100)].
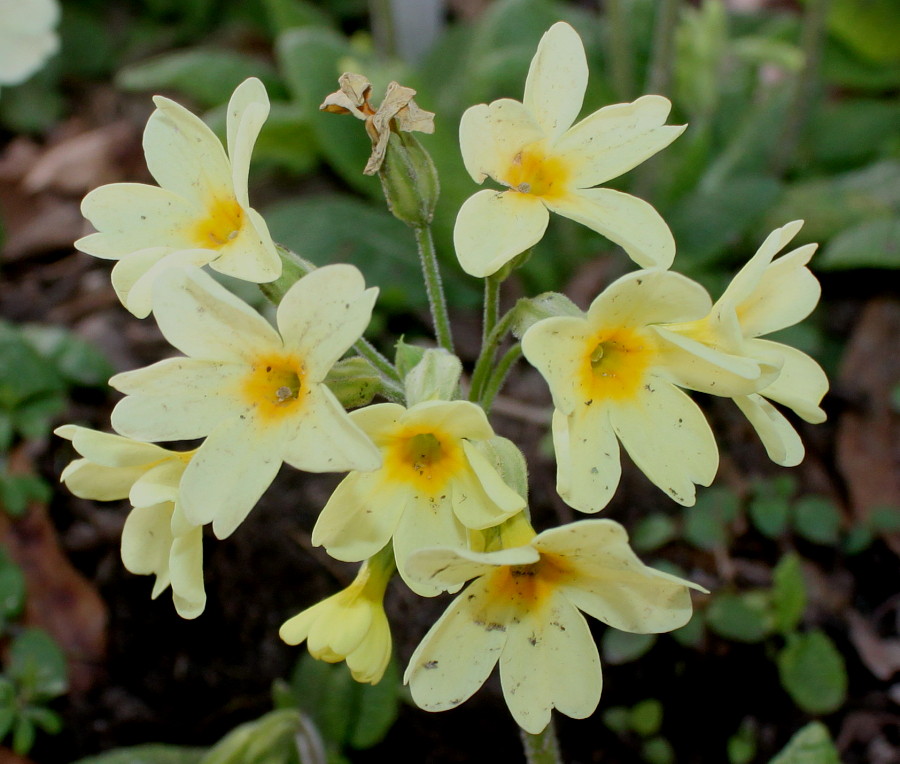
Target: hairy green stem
[(381, 13), (659, 78), (542, 748), (812, 39), (498, 376), (491, 306), (434, 288), (619, 42), (482, 370)]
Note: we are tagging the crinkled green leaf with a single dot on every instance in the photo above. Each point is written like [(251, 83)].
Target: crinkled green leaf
[(788, 593), (817, 519), (153, 753), (744, 617), (646, 717), (38, 665), (619, 647)]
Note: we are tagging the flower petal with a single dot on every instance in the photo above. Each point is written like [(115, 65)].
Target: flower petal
[(184, 155), (327, 440), (186, 571), (669, 439), (93, 481), (134, 275), (251, 254), (556, 348), (367, 663), (323, 314), (248, 110), (458, 419), (361, 516), (550, 661), (492, 228), (229, 473), (158, 484), (457, 654), (110, 450), (587, 458), (426, 523), (450, 568), (177, 399), (146, 543), (204, 320), (616, 138), (491, 136), (782, 443), (786, 294), (801, 384), (130, 217), (630, 222), (557, 79), (480, 497), (649, 297)]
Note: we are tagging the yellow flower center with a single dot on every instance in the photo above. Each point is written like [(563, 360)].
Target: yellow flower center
[(275, 386), (527, 586), (615, 363), (533, 172), (223, 223), (426, 460)]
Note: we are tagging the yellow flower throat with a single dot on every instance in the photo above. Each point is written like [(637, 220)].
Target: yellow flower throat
[(425, 460), (223, 224), (533, 171), (615, 364), (275, 386)]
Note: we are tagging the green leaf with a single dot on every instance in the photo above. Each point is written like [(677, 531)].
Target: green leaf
[(708, 220), (646, 717), (692, 633), (336, 229), (23, 735), (742, 617), (618, 647), (788, 594), (852, 131), (769, 514), (325, 691), (376, 709), (817, 519), (652, 532), (205, 75), (7, 718), (38, 665), (885, 519), (78, 361), (871, 244), (813, 672), (869, 27), (290, 14), (811, 745), (34, 418), (832, 204), (153, 753), (12, 588), (742, 744), (658, 751), (16, 491), (24, 374), (35, 105), (49, 721), (618, 719), (706, 523)]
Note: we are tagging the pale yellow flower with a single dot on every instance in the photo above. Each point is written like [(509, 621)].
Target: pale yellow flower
[(200, 213), (548, 165), (765, 296), (350, 625), (27, 37), (432, 485), (522, 610), (257, 396), (156, 539), (614, 375)]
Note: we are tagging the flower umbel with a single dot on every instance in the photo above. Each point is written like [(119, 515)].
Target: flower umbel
[(433, 484), (200, 213), (156, 539), (765, 296), (546, 164), (350, 625), (522, 610), (614, 376), (257, 396)]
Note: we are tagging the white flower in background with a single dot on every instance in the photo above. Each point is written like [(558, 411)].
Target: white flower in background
[(27, 37)]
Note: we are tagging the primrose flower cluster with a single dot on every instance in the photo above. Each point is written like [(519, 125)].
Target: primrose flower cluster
[(431, 491)]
